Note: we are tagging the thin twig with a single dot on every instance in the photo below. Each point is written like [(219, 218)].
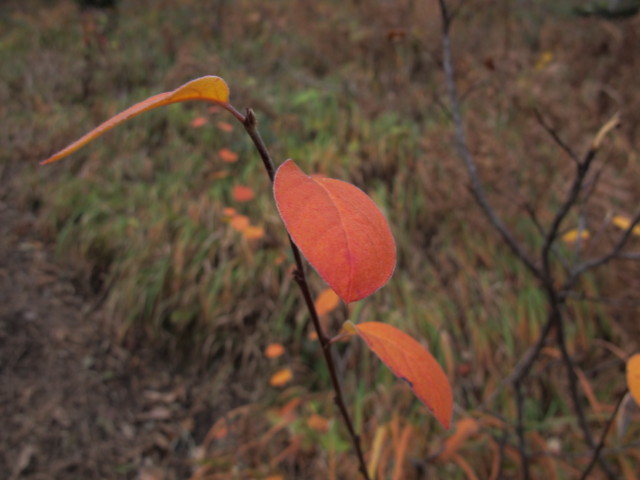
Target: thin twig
[(600, 446), (615, 252), (520, 430), (463, 149), (555, 136), (250, 125)]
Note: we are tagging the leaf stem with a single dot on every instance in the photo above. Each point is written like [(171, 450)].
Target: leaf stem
[(250, 124)]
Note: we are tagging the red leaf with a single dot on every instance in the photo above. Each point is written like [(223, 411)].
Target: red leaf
[(411, 362), (209, 88), (242, 193), (339, 230)]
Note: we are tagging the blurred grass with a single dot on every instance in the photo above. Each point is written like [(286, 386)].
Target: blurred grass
[(140, 210)]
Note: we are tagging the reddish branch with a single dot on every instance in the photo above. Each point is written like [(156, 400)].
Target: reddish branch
[(250, 124)]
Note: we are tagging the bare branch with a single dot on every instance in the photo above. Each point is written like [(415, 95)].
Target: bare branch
[(569, 151), (464, 152)]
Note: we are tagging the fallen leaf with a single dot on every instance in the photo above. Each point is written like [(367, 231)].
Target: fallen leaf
[(572, 235), (281, 377), (327, 301), (253, 232), (227, 155), (318, 423), (410, 362), (338, 228), (229, 211), (624, 223), (274, 350), (225, 126), (242, 193), (465, 428), (209, 88), (633, 377), (240, 222), (199, 122)]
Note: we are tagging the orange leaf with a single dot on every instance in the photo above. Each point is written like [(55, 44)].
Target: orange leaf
[(209, 88), (225, 127), (274, 350), (633, 377), (229, 211), (227, 155), (242, 193), (338, 228), (318, 423), (326, 302), (411, 362), (281, 377), (199, 122), (240, 222), (253, 233), (465, 427)]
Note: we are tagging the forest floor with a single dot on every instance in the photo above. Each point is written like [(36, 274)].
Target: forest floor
[(73, 402)]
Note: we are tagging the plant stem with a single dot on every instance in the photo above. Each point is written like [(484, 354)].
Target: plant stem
[(250, 125), (596, 452)]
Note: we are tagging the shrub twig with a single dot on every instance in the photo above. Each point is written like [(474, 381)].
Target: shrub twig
[(250, 124)]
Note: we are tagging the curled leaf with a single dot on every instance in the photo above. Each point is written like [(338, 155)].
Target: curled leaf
[(411, 362), (338, 228), (209, 88)]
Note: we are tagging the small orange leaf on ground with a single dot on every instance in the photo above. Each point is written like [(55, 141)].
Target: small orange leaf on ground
[(624, 223), (464, 429), (411, 362), (253, 233), (225, 126), (242, 193), (240, 222), (572, 235), (227, 155), (199, 122), (220, 174), (274, 350), (214, 109), (281, 377), (327, 301), (318, 423), (633, 377), (209, 88), (229, 211), (338, 228), (274, 477)]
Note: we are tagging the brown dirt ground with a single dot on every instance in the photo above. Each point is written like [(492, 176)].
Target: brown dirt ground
[(73, 403)]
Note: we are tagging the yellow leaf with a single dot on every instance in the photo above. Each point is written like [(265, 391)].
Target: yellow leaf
[(633, 377), (209, 88), (624, 223), (572, 235)]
